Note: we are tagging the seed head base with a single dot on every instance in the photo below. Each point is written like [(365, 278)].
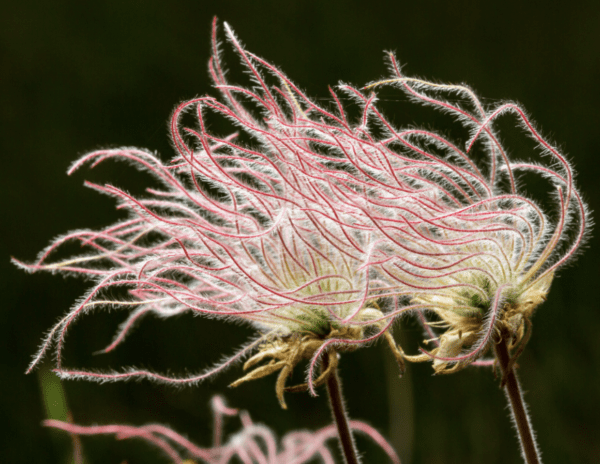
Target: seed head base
[(286, 352), (513, 326)]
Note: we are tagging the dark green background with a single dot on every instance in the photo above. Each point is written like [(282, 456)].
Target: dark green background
[(75, 76)]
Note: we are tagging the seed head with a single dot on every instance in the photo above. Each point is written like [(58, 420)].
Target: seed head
[(251, 231), (252, 443), (469, 243)]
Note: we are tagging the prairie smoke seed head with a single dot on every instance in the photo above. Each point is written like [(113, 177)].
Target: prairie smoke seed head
[(469, 245), (258, 232), (251, 443)]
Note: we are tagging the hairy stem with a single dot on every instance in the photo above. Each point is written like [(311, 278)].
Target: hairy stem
[(338, 410), (512, 389)]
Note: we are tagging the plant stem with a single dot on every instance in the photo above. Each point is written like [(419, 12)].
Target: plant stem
[(529, 449), (336, 403)]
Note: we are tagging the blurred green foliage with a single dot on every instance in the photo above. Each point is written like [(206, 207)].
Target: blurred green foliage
[(55, 404)]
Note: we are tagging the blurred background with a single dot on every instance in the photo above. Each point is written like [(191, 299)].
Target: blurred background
[(76, 76)]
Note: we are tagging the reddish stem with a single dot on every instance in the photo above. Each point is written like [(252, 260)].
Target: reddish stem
[(512, 389), (338, 410)]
